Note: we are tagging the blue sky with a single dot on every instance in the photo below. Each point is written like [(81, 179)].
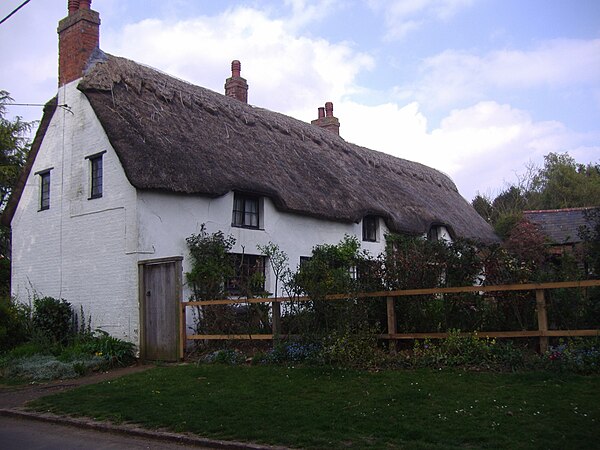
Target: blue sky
[(479, 89)]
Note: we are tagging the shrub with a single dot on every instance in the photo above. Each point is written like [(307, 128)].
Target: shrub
[(576, 355), (115, 351), (47, 367), (52, 318), (352, 348), (227, 356), (14, 323)]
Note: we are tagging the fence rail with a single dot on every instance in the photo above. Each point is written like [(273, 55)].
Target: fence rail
[(543, 333)]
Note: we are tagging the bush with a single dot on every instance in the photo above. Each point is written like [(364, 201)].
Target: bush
[(48, 367), (227, 356), (14, 323), (574, 355), (52, 318), (115, 351), (353, 348)]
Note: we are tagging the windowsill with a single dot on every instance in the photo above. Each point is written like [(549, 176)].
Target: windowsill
[(247, 227), (93, 197), (44, 209)]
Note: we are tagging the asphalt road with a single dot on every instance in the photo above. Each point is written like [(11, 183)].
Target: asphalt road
[(23, 434)]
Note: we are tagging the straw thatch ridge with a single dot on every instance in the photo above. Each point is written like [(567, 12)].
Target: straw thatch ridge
[(173, 136)]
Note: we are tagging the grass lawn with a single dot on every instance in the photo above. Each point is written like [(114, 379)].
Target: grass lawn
[(308, 407)]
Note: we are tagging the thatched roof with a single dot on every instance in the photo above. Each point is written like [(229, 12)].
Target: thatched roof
[(173, 136)]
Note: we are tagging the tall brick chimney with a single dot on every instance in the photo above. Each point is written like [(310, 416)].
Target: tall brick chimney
[(326, 119), (236, 86), (78, 37)]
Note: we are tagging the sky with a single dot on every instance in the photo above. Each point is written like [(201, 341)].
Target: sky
[(478, 89)]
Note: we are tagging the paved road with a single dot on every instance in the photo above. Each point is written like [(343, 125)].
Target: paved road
[(23, 434)]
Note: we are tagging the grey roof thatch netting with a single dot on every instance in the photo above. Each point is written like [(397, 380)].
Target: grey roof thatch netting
[(176, 137)]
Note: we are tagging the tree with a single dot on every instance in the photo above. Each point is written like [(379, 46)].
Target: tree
[(14, 146), (560, 183), (564, 183)]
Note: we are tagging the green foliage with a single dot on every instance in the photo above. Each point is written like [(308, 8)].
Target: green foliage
[(467, 351), (14, 323), (211, 264), (560, 183), (14, 146), (278, 260), (352, 347), (575, 355), (41, 367), (590, 234), (225, 356), (116, 352), (52, 318)]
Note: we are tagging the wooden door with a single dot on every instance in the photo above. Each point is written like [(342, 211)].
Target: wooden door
[(160, 296)]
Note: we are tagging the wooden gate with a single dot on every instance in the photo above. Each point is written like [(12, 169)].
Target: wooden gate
[(160, 295)]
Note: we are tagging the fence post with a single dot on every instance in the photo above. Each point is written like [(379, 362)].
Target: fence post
[(540, 301), (391, 324), (182, 331), (276, 310)]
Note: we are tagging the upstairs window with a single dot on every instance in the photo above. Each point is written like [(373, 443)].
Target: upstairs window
[(370, 228), (245, 211), (96, 175), (44, 189)]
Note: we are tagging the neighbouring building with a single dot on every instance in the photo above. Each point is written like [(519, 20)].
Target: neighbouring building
[(128, 162)]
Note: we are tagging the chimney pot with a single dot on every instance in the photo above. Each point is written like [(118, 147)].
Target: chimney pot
[(321, 112), (85, 4), (73, 6), (329, 109), (236, 69)]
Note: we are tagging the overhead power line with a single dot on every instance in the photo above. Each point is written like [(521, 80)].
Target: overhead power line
[(12, 13)]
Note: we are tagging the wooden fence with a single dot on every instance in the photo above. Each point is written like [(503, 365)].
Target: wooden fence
[(543, 333)]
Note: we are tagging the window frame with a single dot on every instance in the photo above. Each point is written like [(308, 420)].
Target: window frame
[(96, 177), (244, 266), (45, 184), (241, 211), (370, 225)]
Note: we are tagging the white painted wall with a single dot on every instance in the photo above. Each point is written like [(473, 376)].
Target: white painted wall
[(80, 250), (165, 221)]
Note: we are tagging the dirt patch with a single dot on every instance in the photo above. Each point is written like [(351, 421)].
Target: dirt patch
[(18, 396)]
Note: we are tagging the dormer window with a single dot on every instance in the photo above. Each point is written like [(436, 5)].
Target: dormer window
[(438, 233), (246, 212), (370, 228), (96, 175)]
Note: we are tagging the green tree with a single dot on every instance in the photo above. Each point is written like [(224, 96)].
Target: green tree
[(564, 183), (14, 146)]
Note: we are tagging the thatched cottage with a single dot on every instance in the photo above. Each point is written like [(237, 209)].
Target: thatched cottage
[(128, 162)]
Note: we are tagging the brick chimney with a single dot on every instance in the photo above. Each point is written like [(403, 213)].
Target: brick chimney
[(326, 119), (236, 86), (78, 37)]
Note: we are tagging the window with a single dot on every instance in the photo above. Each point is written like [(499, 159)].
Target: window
[(245, 211), (437, 233), (44, 189), (96, 180), (249, 275), (369, 228)]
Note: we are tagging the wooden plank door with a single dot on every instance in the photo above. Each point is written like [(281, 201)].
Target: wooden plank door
[(160, 296)]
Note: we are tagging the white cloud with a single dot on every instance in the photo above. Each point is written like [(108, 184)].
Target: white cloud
[(481, 147), (458, 76), (405, 16), (284, 70)]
